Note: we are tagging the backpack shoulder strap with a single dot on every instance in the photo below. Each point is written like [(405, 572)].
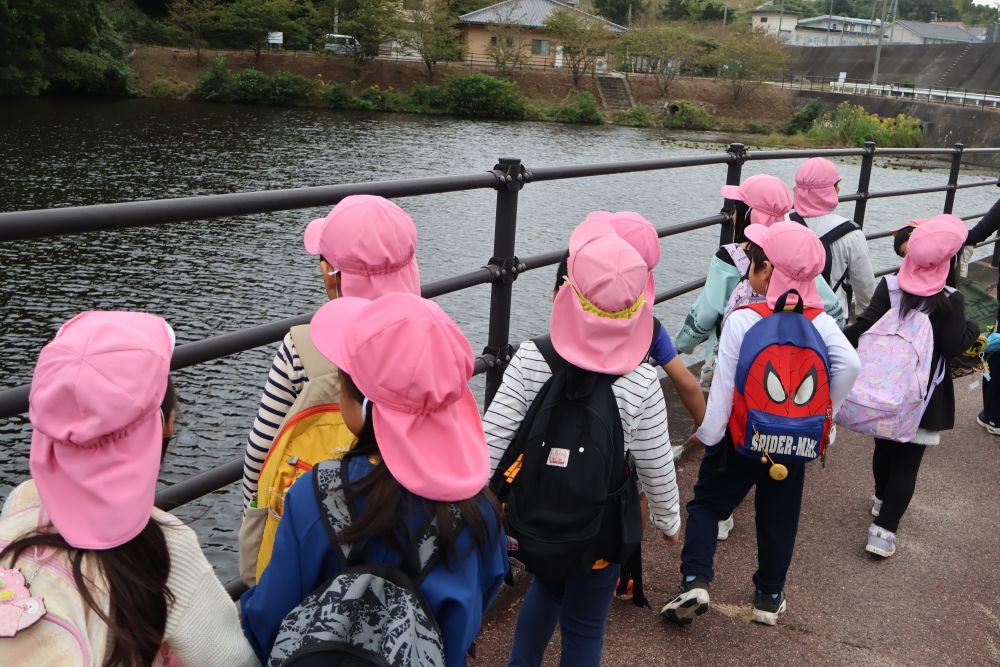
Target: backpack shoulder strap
[(794, 215), (314, 363), (552, 358), (895, 293), (328, 478), (838, 232), (428, 547)]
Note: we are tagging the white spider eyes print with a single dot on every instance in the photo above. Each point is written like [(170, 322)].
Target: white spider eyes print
[(807, 389), (772, 383)]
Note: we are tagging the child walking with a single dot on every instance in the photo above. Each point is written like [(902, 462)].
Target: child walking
[(90, 572), (601, 329), (420, 457), (779, 377), (919, 287)]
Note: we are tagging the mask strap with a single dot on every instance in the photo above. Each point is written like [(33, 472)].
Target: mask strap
[(366, 406)]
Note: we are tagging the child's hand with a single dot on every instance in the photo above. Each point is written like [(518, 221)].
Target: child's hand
[(672, 539), (695, 441)]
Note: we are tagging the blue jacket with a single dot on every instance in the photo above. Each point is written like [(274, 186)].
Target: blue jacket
[(304, 558)]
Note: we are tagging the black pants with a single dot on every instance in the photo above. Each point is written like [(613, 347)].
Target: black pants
[(724, 479), (991, 390), (895, 466)]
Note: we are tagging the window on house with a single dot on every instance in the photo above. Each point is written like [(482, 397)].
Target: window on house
[(763, 19), (539, 47), (509, 40)]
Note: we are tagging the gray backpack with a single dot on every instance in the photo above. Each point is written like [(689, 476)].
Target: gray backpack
[(369, 613)]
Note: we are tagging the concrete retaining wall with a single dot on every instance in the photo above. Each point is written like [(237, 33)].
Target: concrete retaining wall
[(923, 65), (944, 125)]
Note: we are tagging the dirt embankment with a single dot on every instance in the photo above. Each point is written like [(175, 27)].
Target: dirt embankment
[(181, 67)]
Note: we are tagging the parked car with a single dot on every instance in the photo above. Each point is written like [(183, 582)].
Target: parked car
[(342, 45)]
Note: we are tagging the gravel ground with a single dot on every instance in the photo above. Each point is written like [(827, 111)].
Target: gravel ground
[(936, 602)]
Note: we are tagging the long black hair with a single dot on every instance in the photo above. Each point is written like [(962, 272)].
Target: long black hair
[(928, 304), (389, 503), (136, 573), (561, 272), (740, 216)]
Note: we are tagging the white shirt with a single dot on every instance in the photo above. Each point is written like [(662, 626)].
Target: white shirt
[(844, 368), (850, 254), (644, 423)]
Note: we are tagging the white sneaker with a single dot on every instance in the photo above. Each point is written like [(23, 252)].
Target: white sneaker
[(876, 506), (881, 542), (725, 527)]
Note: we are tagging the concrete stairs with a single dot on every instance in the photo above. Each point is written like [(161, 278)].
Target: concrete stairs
[(942, 81), (615, 91)]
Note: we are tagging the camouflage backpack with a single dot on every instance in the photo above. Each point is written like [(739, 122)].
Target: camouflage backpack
[(369, 613)]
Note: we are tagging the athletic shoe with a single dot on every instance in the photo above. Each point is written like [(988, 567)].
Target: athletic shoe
[(623, 590), (991, 428), (691, 600), (725, 527), (767, 608), (876, 506), (881, 542)]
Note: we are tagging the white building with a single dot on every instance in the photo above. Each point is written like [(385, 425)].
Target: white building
[(913, 32), (774, 21), (831, 30)]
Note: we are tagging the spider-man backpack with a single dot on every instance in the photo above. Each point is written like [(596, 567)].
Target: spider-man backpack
[(781, 396)]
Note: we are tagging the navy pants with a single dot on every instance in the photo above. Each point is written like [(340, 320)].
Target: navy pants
[(580, 605), (991, 390), (724, 479)]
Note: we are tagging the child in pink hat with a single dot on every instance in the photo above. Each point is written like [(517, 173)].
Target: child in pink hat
[(366, 247), (725, 476), (102, 410), (848, 268), (920, 285), (601, 326), (421, 453)]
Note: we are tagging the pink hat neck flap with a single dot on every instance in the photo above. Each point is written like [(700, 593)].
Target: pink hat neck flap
[(97, 431), (797, 256), (413, 364), (373, 243), (932, 244), (601, 319), (767, 196), (815, 188)]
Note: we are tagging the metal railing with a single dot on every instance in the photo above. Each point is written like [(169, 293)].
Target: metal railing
[(986, 99), (508, 177)]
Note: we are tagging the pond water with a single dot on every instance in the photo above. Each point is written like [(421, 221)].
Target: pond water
[(222, 275)]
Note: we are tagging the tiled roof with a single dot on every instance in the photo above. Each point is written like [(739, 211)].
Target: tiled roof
[(527, 13), (937, 31)]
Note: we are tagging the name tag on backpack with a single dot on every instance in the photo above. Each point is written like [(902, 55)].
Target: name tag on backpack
[(558, 457)]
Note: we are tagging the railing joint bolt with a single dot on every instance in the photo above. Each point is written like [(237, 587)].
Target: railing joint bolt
[(510, 175)]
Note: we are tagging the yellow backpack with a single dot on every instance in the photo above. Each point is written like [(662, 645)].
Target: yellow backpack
[(312, 431)]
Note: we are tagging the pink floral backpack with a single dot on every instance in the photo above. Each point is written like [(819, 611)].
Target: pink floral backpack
[(897, 379)]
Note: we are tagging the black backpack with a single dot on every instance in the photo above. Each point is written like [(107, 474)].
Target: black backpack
[(369, 614), (569, 489), (828, 239)]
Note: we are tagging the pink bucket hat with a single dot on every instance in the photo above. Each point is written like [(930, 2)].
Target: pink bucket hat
[(97, 431), (633, 228), (414, 364), (928, 257), (815, 188), (798, 257), (601, 319), (372, 242), (767, 196)]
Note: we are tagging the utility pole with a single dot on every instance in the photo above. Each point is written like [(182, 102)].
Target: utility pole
[(881, 34), (781, 17), (630, 16), (829, 24), (725, 14)]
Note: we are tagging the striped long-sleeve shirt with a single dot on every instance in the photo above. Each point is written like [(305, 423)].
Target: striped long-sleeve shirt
[(644, 423), (284, 382)]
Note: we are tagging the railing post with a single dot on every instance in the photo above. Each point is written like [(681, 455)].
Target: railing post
[(734, 173), (863, 181), (956, 166), (510, 179)]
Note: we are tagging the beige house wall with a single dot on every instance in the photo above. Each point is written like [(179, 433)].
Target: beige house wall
[(476, 40)]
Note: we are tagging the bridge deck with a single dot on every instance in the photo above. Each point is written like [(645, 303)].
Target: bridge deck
[(937, 601)]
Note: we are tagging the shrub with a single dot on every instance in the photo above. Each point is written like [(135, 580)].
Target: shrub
[(251, 86), (169, 90), (759, 127), (688, 115), (425, 98), (337, 96), (288, 88), (374, 98), (483, 96), (851, 125), (216, 83), (637, 116), (583, 110), (803, 117)]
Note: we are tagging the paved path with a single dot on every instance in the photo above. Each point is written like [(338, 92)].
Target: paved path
[(936, 602)]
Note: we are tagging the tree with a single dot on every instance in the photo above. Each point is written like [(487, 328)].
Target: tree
[(581, 37), (745, 57), (618, 11), (196, 18), (665, 51), (691, 10), (508, 41), (371, 22), (432, 34), (247, 23)]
